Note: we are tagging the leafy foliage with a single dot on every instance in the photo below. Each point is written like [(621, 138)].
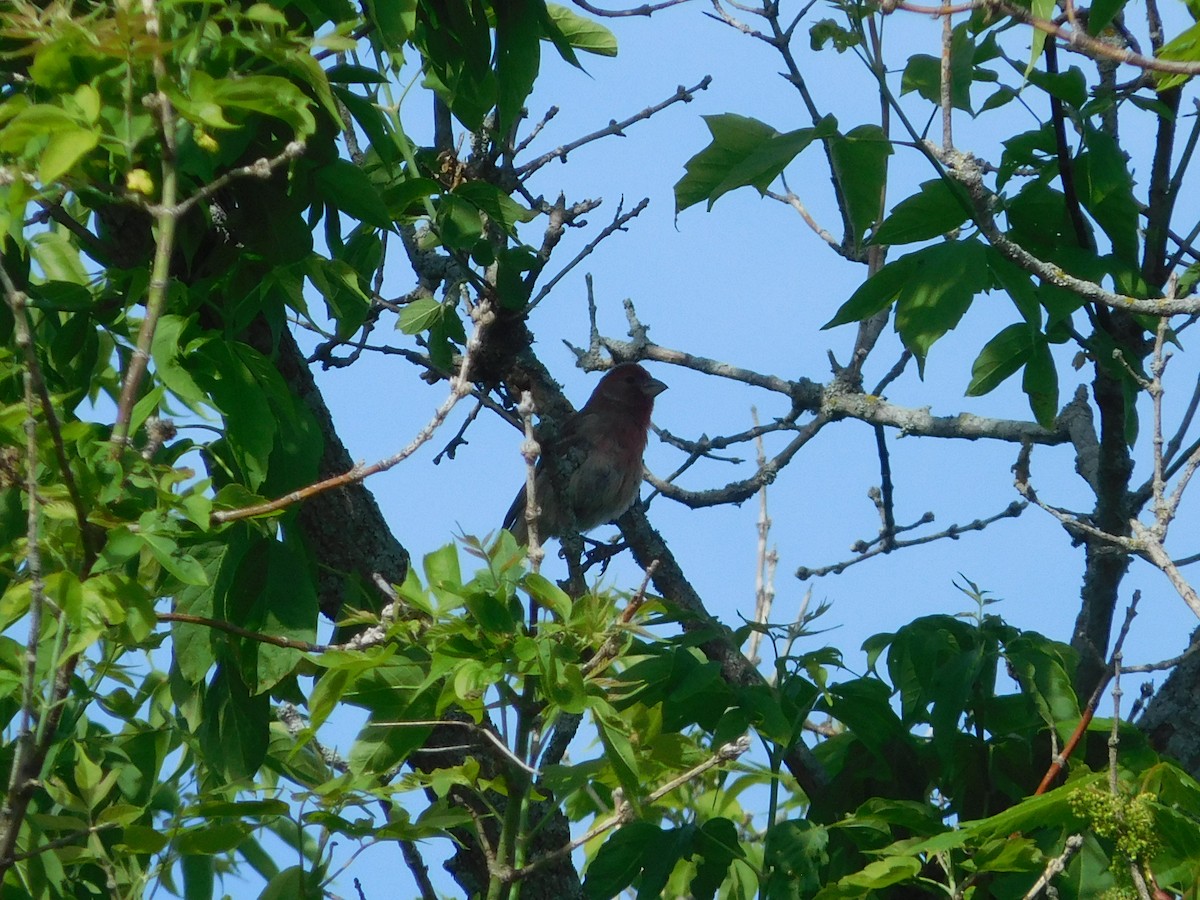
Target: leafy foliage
[(165, 167)]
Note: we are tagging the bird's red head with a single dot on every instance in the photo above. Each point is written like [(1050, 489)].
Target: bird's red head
[(629, 387)]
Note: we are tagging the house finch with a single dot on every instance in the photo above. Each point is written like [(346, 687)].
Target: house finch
[(592, 472)]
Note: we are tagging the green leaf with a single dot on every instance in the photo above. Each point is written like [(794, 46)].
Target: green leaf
[(395, 20), (1041, 668), (402, 198), (58, 255), (883, 872), (618, 751), (876, 293), (454, 38), (945, 280), (1070, 86), (381, 747), (743, 152), (342, 288), (1015, 282), (234, 727), (860, 159), (941, 206), (198, 877), (829, 31), (66, 147), (345, 186), (295, 883), (1000, 97), (420, 315), (548, 595), (619, 860), (1041, 384), (458, 223), (34, 123), (580, 33), (796, 853), (1101, 13), (716, 841), (211, 838), (377, 129), (518, 56), (923, 73), (194, 645), (1041, 9), (511, 264), (442, 571), (490, 612), (169, 555), (499, 206), (287, 608), (251, 424), (1000, 358), (1106, 191), (1184, 47), (60, 295)]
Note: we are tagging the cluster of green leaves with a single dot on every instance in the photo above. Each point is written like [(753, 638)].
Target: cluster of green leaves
[(930, 288), (932, 761), (167, 766), (160, 737)]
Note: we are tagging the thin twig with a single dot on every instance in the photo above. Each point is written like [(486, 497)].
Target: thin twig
[(681, 95), (766, 559), (1059, 761), (646, 9), (945, 98), (489, 735), (531, 451), (625, 812), (460, 386), (954, 532), (1074, 40), (620, 220), (1056, 866), (967, 172), (166, 219)]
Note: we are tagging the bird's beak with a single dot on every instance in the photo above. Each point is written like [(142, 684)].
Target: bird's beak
[(653, 388)]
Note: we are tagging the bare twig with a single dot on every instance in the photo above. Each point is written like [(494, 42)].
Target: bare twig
[(1056, 866), (966, 171), (625, 812), (797, 204), (260, 168), (608, 650), (459, 440), (486, 733), (944, 98), (681, 95), (1073, 39), (166, 219), (646, 9), (460, 386), (953, 532), (1059, 761), (767, 559), (620, 220), (531, 451), (237, 631)]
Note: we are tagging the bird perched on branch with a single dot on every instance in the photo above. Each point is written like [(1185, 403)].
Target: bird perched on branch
[(592, 471)]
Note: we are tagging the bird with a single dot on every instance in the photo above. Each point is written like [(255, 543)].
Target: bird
[(592, 471)]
